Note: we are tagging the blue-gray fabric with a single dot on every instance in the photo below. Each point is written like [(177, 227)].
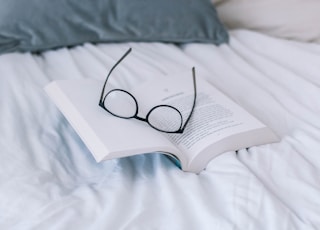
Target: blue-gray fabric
[(37, 25)]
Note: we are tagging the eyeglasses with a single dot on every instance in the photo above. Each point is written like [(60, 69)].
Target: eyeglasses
[(122, 104)]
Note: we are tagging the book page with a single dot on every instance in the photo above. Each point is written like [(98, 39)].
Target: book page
[(105, 135), (215, 116)]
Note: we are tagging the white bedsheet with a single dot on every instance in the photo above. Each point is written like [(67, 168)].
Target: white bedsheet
[(49, 180)]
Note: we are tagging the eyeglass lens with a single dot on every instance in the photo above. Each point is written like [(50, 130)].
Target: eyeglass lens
[(121, 104)]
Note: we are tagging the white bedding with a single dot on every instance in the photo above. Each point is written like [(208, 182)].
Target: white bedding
[(49, 180)]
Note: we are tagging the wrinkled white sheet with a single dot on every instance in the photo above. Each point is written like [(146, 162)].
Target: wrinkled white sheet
[(49, 180)]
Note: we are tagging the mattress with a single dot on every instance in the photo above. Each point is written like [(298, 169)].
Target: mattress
[(49, 179)]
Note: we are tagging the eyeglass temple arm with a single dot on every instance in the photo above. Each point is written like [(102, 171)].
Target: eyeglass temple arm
[(113, 67), (194, 100)]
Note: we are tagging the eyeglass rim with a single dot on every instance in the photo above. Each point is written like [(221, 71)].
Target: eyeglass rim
[(147, 119), (163, 130), (181, 127), (102, 104)]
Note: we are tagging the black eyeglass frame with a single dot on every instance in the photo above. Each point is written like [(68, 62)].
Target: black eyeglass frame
[(103, 98)]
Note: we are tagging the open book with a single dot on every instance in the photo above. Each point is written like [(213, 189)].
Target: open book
[(217, 124)]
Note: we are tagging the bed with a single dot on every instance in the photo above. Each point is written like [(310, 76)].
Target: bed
[(49, 179)]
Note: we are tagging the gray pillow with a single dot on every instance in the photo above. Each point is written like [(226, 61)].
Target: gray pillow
[(37, 25)]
